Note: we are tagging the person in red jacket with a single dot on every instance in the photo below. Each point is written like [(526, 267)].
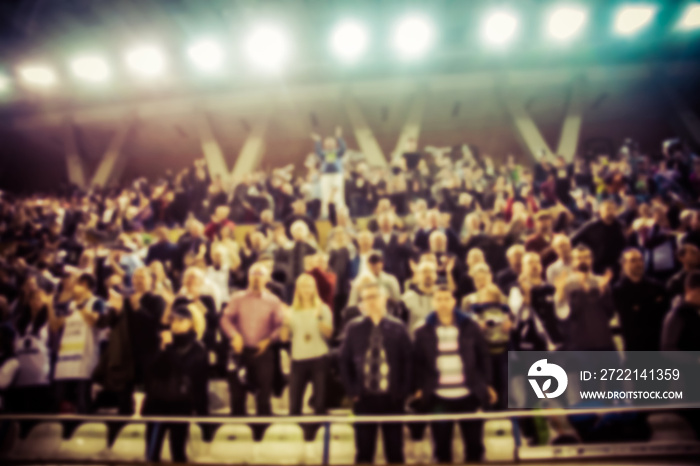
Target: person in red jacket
[(219, 220)]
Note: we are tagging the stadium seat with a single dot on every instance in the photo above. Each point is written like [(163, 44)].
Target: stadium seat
[(232, 443), (130, 444), (282, 444), (498, 440), (88, 441), (43, 442), (342, 445), (197, 449)]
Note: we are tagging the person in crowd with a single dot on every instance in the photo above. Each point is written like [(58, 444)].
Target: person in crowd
[(317, 267), (495, 321), (507, 278), (641, 304), (482, 278), (537, 326), (682, 324), (584, 302), (78, 351), (190, 246), (561, 244), (267, 222), (365, 241), (162, 285), (308, 325), (465, 284), (193, 292), (540, 241), (340, 262), (434, 223), (219, 275), (252, 321), (395, 247), (689, 257), (418, 298), (605, 238), (375, 366), (176, 385), (162, 250), (330, 152), (299, 214), (452, 374), (31, 388), (219, 220), (296, 254), (376, 269), (135, 321)]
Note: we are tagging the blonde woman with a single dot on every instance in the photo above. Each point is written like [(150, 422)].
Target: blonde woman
[(308, 325)]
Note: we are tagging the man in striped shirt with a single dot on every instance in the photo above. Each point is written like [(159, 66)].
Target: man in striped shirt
[(452, 374)]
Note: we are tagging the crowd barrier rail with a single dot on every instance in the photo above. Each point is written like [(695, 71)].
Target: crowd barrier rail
[(688, 449)]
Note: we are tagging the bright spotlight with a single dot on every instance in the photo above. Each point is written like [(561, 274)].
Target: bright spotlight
[(38, 75), (632, 18), (500, 27), (90, 69), (267, 48), (565, 22), (349, 40), (206, 54), (147, 61), (691, 17), (413, 36)]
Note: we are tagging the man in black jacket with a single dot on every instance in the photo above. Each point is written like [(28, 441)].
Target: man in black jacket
[(135, 326), (584, 303), (452, 373), (605, 237), (163, 249), (682, 324), (395, 247), (177, 385), (641, 304), (375, 366), (689, 257)]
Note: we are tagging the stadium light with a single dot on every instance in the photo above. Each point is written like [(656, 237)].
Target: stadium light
[(500, 27), (267, 48), (565, 22), (413, 36), (691, 17), (633, 18), (92, 69), (206, 54), (146, 61), (349, 40), (38, 75)]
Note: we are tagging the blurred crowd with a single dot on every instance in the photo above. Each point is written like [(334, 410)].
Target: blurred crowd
[(392, 289)]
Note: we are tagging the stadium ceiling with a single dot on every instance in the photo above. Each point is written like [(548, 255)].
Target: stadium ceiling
[(73, 53)]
